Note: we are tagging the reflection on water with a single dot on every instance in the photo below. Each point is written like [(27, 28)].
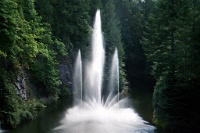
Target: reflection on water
[(94, 127), (103, 120), (142, 102), (50, 118), (46, 121)]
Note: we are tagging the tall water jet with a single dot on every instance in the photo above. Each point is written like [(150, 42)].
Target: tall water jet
[(113, 88), (94, 115), (77, 80), (94, 68)]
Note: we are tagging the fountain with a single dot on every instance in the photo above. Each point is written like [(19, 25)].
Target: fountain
[(91, 113), (113, 88), (77, 79)]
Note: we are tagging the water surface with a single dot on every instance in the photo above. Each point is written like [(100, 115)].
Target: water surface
[(50, 117), (47, 119)]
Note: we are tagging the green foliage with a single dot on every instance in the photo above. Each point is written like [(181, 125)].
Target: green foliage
[(68, 20), (46, 76), (26, 43), (159, 103), (8, 30), (176, 103), (132, 15), (36, 39), (169, 46), (9, 114), (13, 109), (94, 5), (29, 109), (112, 31)]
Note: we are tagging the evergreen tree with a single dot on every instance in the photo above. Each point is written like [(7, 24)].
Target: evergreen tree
[(111, 28), (94, 4), (133, 15), (167, 43), (68, 19)]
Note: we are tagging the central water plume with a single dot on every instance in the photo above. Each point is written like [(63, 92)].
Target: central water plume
[(94, 67), (92, 114)]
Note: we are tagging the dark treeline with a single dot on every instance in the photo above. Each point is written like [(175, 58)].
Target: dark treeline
[(157, 40), (171, 44), (35, 37), (27, 47)]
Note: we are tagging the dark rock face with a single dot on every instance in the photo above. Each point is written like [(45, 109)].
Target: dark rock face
[(22, 85), (66, 71)]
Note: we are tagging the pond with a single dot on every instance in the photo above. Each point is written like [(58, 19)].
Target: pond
[(50, 117), (46, 120)]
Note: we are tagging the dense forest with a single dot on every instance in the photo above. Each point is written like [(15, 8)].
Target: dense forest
[(157, 40)]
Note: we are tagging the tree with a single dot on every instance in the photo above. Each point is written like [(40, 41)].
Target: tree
[(68, 20), (133, 15), (26, 43), (9, 63), (167, 43), (9, 112), (48, 48), (112, 31)]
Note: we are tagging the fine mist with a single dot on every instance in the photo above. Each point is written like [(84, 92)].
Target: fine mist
[(91, 113)]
